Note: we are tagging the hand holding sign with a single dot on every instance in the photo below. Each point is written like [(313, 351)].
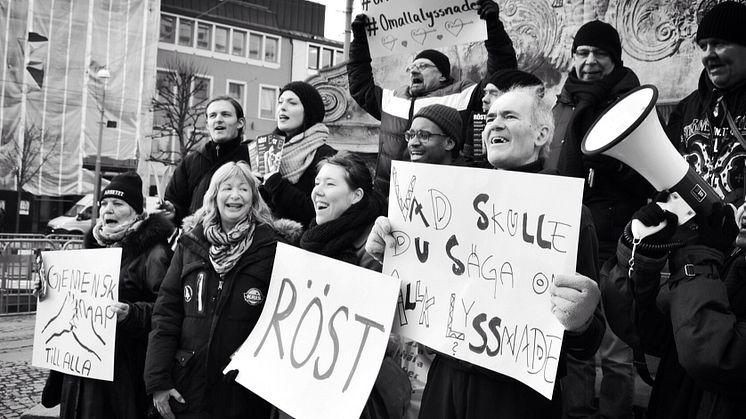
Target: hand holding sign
[(574, 299), (379, 239), (488, 9)]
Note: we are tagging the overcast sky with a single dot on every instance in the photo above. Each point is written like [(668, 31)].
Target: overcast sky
[(335, 18)]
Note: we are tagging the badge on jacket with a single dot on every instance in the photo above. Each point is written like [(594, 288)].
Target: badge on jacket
[(253, 296), (188, 293)]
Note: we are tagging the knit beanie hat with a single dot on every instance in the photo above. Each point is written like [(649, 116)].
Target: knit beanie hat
[(313, 105), (725, 21), (439, 59), (447, 118), (128, 188), (600, 35), (505, 79)]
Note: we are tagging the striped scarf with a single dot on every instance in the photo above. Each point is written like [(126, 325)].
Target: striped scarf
[(226, 248), (300, 151)]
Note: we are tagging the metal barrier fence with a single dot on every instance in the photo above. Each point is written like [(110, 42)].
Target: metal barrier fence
[(16, 263)]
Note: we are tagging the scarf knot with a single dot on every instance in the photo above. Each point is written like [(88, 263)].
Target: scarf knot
[(226, 248), (300, 150)]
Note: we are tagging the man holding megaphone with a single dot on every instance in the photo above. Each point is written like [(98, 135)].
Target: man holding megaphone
[(694, 318)]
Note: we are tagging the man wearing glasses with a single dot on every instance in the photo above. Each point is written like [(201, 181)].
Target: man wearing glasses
[(436, 135), (613, 192), (430, 81)]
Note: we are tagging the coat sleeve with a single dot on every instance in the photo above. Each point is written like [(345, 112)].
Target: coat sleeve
[(178, 192), (137, 322), (360, 78), (500, 52), (167, 317), (710, 338), (584, 345), (289, 200)]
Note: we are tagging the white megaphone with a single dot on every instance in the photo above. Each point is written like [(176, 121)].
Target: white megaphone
[(630, 132)]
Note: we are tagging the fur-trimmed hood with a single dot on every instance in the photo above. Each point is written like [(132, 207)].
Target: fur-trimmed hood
[(289, 230), (155, 229)]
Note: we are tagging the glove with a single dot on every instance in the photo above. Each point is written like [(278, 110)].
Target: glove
[(488, 9), (574, 299), (358, 27), (652, 214), (719, 229), (230, 377)]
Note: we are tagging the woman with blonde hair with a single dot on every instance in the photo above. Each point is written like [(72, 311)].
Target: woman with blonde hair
[(211, 298)]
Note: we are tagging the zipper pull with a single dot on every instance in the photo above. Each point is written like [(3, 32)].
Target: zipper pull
[(220, 285)]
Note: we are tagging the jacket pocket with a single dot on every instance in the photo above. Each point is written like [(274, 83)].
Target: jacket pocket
[(187, 380), (194, 284)]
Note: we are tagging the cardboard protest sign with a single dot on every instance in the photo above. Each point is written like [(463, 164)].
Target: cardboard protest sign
[(266, 153), (476, 250), (318, 345), (398, 27), (75, 329)]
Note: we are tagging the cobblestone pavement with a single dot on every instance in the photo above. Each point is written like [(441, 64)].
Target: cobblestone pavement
[(20, 383)]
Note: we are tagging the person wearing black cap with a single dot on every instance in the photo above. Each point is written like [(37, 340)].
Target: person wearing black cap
[(429, 77), (695, 318), (709, 125), (287, 188), (613, 191), (436, 135), (225, 123), (145, 259)]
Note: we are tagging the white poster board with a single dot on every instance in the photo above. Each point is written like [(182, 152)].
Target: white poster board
[(399, 27), (75, 329), (476, 250), (318, 345)]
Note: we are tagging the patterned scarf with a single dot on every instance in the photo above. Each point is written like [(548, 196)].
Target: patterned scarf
[(111, 236), (300, 151), (227, 248)]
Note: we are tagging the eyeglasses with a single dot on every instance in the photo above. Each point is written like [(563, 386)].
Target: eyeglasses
[(419, 67), (423, 135), (585, 52)]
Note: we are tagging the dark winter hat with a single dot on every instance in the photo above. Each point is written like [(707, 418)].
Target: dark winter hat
[(313, 105), (724, 21), (128, 188), (447, 118), (505, 79), (600, 35), (439, 59)]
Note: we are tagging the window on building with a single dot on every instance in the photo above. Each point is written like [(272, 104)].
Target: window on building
[(186, 32), (267, 102), (163, 85), (239, 43), (221, 39), (200, 97), (313, 57), (255, 46), (339, 57), (271, 47), (326, 58), (204, 36), (237, 90), (168, 29)]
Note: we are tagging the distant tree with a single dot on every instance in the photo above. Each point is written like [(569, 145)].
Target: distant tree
[(179, 107), (26, 157)]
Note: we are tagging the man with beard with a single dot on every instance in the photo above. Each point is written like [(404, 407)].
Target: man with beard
[(613, 192), (430, 82)]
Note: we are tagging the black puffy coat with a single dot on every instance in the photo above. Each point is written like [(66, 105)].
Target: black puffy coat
[(145, 259), (200, 319)]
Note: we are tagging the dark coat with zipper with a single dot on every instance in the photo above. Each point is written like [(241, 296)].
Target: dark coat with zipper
[(145, 259), (200, 319), (192, 176)]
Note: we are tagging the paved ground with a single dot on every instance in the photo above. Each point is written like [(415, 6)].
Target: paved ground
[(21, 384)]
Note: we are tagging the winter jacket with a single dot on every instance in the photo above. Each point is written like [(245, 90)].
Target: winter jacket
[(457, 389), (617, 191), (695, 321), (192, 176), (145, 259), (200, 319), (395, 108), (703, 136), (293, 201)]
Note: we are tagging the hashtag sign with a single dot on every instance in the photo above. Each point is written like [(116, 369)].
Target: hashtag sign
[(365, 5), (372, 27)]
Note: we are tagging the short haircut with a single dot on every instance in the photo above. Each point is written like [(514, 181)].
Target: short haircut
[(236, 106), (541, 115)]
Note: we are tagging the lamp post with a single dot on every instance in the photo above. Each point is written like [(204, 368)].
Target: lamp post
[(103, 75)]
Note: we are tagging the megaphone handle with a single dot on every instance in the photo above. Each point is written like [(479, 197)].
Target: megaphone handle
[(640, 230)]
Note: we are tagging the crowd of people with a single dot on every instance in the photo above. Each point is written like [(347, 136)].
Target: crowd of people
[(679, 294)]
